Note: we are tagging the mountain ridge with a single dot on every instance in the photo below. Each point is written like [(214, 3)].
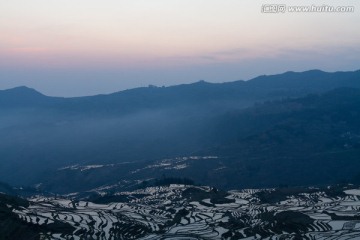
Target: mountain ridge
[(234, 121), (241, 93), (313, 73)]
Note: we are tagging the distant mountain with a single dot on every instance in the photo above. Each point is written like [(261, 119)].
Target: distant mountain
[(310, 140), (313, 80), (21, 97), (240, 93), (297, 121)]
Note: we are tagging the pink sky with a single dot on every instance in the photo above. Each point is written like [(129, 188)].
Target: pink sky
[(44, 41)]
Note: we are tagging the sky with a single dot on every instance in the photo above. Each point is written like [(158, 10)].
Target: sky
[(86, 47)]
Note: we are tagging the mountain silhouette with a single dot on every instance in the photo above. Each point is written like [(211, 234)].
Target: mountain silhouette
[(256, 128)]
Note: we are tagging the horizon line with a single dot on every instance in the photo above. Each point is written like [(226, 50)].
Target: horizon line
[(180, 84)]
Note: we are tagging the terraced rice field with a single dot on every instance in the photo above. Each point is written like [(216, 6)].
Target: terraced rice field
[(183, 212)]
